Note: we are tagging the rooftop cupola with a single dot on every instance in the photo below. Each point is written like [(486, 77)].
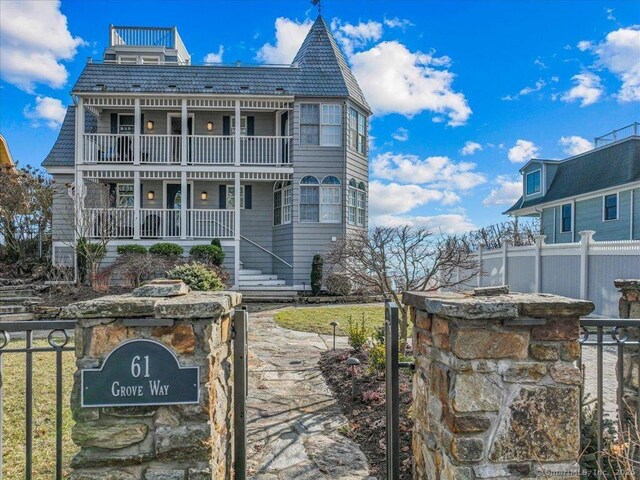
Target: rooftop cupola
[(146, 45)]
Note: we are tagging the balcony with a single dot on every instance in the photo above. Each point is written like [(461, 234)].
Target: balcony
[(135, 37), (159, 223), (102, 148)]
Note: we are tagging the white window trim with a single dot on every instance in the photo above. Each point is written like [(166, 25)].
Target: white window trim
[(174, 182), (341, 125), (330, 186), (283, 189), (617, 194), (126, 115), (232, 125), (561, 219), (356, 131), (170, 115), (118, 196), (243, 198), (526, 181)]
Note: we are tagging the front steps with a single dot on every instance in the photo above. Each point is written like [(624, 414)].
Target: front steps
[(256, 280), (15, 301)]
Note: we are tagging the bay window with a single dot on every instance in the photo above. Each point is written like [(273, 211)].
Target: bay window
[(309, 199), (321, 124), (330, 200), (357, 131)]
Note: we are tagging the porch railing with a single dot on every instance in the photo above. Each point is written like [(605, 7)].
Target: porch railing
[(160, 149), (160, 223), (108, 148), (264, 150), (201, 149)]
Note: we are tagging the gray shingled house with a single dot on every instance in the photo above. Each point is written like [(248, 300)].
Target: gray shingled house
[(596, 190), (271, 160)]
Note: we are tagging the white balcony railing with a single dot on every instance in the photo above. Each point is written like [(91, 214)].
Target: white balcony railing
[(201, 149), (262, 150), (108, 148), (160, 149), (211, 149), (109, 222), (159, 223)]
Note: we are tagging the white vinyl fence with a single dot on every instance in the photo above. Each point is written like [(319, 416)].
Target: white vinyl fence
[(580, 270)]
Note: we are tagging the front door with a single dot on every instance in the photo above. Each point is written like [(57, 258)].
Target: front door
[(175, 128), (174, 204)]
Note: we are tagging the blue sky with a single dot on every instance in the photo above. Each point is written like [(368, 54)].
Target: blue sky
[(510, 80)]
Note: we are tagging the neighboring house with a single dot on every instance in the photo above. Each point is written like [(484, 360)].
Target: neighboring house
[(6, 160), (272, 160), (597, 190)]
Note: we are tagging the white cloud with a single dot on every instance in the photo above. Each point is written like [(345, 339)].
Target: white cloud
[(507, 191), (587, 89), (396, 80), (539, 85), (289, 36), (610, 15), (538, 62), (396, 22), (48, 109), (34, 40), (446, 223), (584, 45), (620, 53), (395, 198), (352, 37), (401, 134), (436, 172), (522, 151), (215, 57), (574, 145), (470, 148)]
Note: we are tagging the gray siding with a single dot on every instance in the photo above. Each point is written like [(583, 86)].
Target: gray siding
[(256, 225), (636, 214), (62, 209)]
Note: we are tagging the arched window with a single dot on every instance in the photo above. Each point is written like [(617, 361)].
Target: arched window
[(330, 200), (282, 203), (309, 199)]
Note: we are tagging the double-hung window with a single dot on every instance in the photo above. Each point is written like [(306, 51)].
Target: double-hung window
[(282, 203), (566, 217), (352, 202), (331, 125), (357, 131), (362, 205), (230, 200), (533, 182), (124, 195), (610, 206), (330, 200), (309, 199), (321, 124)]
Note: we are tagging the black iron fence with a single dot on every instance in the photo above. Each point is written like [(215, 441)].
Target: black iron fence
[(19, 338), (609, 337)]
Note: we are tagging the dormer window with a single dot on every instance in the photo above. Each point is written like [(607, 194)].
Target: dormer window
[(533, 182)]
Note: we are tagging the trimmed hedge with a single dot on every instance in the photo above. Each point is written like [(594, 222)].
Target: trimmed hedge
[(212, 254), (131, 248), (167, 249)]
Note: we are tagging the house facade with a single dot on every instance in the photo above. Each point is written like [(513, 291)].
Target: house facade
[(271, 160), (597, 190)]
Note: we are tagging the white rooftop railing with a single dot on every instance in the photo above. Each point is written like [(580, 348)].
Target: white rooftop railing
[(619, 134)]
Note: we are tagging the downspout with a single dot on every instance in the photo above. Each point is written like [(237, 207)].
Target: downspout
[(631, 215)]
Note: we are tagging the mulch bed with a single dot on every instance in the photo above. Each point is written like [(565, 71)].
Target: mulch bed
[(366, 410), (63, 295)]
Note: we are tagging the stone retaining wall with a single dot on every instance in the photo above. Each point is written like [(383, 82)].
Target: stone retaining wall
[(179, 442), (496, 384), (629, 307)]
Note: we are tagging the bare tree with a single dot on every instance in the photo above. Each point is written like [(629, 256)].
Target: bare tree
[(391, 260), (519, 232), (93, 224)]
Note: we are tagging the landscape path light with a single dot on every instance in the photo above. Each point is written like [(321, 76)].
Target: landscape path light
[(334, 324), (353, 364)]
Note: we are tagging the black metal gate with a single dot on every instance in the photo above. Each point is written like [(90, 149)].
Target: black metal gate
[(240, 383), (58, 341)]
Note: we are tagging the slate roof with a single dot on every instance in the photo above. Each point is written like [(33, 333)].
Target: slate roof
[(319, 70), (62, 153), (605, 167)]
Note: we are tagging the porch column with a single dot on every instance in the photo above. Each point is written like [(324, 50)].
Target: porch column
[(237, 124), (236, 231), (80, 132), (183, 205), (185, 133), (136, 205), (137, 128), (538, 262)]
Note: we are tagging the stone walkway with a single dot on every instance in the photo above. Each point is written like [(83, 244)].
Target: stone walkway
[(293, 419)]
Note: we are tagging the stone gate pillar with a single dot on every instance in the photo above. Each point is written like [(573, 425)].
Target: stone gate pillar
[(629, 307), (191, 440), (496, 384)]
